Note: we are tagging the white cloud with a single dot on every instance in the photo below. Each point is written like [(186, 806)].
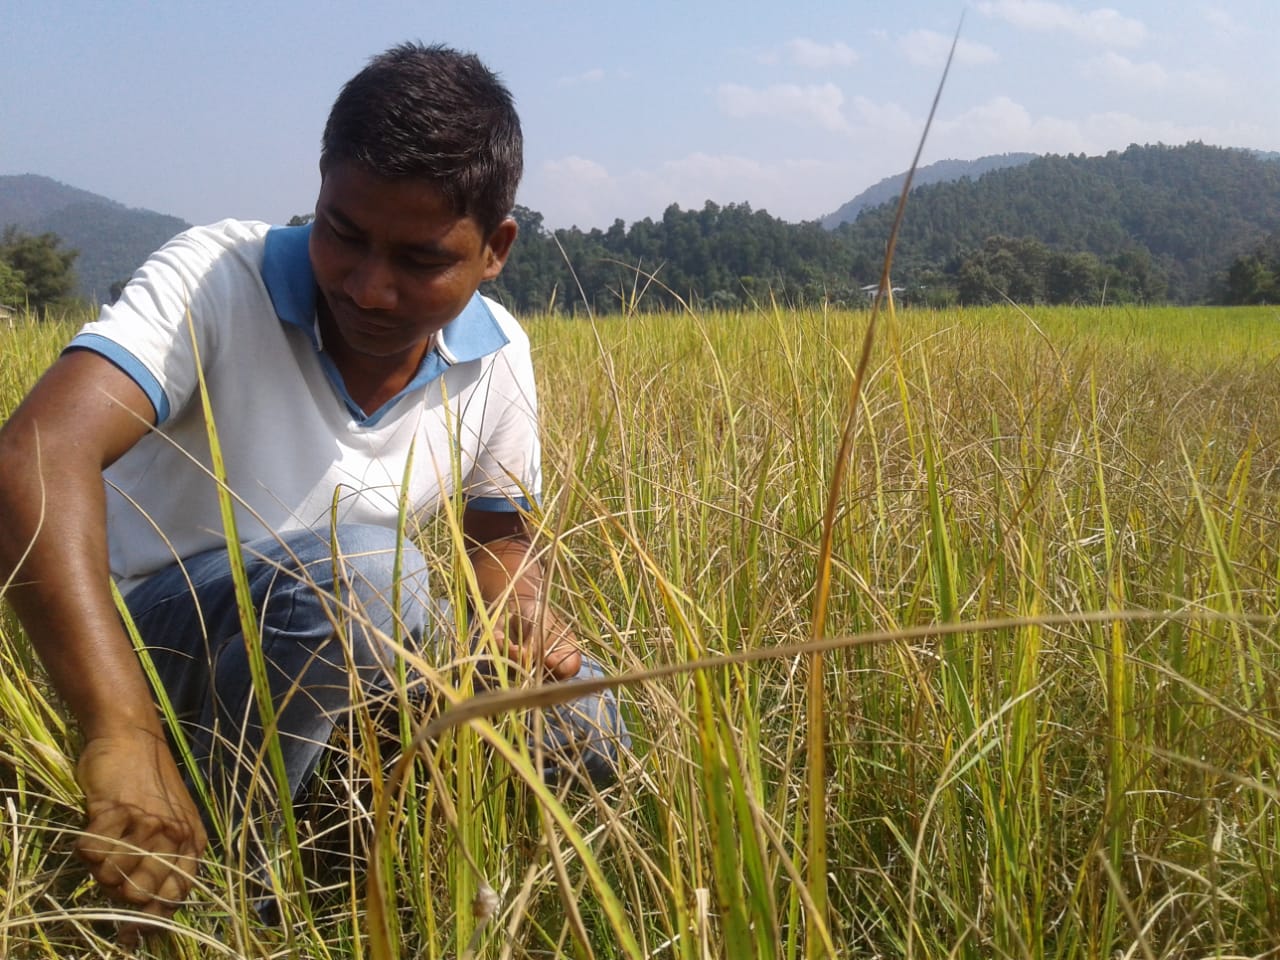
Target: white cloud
[(824, 107), (578, 191), (874, 139), (887, 120), (1221, 21), (1101, 25), (1206, 83), (860, 119), (928, 48), (576, 168), (820, 56), (820, 105), (1117, 69), (594, 75), (1152, 77), (1002, 125)]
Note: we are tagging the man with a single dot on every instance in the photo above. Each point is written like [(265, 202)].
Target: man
[(348, 365)]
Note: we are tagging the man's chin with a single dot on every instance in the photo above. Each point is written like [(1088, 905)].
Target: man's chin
[(373, 337)]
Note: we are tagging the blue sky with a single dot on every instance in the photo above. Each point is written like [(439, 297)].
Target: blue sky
[(214, 109)]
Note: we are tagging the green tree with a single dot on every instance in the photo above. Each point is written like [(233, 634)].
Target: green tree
[(1005, 267), (13, 291), (974, 285), (47, 272), (1133, 276), (1249, 281), (1074, 278)]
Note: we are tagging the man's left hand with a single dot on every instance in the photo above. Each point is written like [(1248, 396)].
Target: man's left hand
[(533, 636)]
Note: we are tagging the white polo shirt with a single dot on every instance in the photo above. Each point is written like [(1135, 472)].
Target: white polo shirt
[(297, 449)]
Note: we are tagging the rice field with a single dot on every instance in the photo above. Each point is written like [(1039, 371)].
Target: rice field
[(1048, 722)]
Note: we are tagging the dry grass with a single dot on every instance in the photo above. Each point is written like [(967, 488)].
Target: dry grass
[(1091, 776)]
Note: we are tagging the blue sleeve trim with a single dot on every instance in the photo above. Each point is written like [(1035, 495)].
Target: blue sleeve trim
[(500, 504), (131, 365)]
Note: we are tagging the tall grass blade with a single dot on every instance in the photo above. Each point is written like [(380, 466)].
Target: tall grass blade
[(815, 713)]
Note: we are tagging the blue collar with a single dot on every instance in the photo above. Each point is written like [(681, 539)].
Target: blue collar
[(291, 284)]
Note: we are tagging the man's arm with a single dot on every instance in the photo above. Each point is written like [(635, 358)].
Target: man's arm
[(144, 833), (501, 555)]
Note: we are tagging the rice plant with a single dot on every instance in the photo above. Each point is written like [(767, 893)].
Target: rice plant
[(1049, 691)]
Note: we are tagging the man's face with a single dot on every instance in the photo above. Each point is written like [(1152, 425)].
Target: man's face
[(395, 263)]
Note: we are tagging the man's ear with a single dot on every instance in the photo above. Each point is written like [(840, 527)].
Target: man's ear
[(498, 247)]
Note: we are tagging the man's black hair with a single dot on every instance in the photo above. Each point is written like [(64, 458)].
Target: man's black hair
[(435, 113)]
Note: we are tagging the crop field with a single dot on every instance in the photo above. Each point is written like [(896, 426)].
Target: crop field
[(1041, 716)]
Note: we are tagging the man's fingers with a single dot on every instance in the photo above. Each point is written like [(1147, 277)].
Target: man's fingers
[(148, 882), (128, 935), (563, 660), (165, 876), (557, 652), (111, 859), (152, 863), (102, 834), (144, 835), (176, 886), (157, 886)]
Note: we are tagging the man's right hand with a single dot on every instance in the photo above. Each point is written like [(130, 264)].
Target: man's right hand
[(144, 835)]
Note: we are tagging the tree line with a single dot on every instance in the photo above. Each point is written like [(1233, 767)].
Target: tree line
[(1150, 224), (726, 257), (1146, 225)]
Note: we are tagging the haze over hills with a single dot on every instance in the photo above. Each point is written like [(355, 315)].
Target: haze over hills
[(113, 239)]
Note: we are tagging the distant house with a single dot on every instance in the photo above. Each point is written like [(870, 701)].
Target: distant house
[(869, 291), (7, 314)]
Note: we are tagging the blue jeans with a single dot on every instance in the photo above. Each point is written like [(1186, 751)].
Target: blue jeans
[(304, 587)]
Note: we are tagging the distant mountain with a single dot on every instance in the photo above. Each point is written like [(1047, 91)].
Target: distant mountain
[(1187, 209), (944, 171), (113, 239)]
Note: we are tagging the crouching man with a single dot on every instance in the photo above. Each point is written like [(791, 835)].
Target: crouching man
[(350, 365)]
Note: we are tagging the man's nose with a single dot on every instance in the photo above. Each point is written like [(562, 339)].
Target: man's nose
[(371, 284)]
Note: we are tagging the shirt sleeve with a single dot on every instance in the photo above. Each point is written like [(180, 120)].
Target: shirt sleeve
[(170, 312), (507, 475)]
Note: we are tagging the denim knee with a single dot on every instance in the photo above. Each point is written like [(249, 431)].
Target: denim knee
[(371, 563), (366, 580)]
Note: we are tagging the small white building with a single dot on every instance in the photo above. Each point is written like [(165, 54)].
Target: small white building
[(869, 291)]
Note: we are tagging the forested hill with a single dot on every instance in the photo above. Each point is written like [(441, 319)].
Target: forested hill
[(1190, 209), (113, 240), (944, 171), (1151, 223)]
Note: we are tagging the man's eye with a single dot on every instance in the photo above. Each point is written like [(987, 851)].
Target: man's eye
[(342, 235)]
